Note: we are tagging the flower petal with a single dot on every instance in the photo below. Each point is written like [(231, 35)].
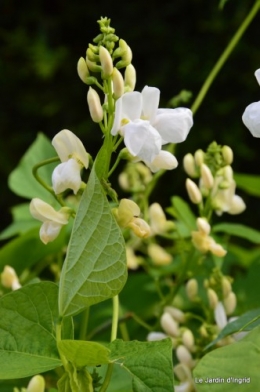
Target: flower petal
[(251, 118), (257, 75), (49, 231), (151, 97), (220, 315), (66, 176), (164, 160), (45, 212), (173, 124), (142, 140)]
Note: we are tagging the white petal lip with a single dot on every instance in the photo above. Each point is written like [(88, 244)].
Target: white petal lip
[(142, 140), (220, 315), (45, 212), (164, 160), (66, 176), (49, 231), (251, 118), (257, 75), (150, 98), (67, 144), (173, 124), (128, 107)]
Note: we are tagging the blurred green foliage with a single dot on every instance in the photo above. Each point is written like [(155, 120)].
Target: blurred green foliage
[(175, 45)]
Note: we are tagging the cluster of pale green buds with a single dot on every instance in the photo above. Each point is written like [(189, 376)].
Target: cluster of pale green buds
[(218, 187), (9, 278), (36, 384), (127, 216), (183, 341), (135, 177), (203, 241)]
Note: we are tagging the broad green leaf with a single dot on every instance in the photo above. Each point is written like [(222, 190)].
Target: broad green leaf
[(183, 212), (249, 183), (102, 159), (95, 267), (82, 353), (22, 222), (238, 230), (21, 180), (235, 367), (150, 363), (27, 250), (27, 331), (246, 322)]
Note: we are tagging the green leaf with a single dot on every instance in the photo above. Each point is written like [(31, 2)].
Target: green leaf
[(27, 250), (22, 222), (234, 367), (150, 363), (82, 353), (21, 180), (238, 230), (246, 322), (27, 331), (249, 183), (95, 267), (183, 213)]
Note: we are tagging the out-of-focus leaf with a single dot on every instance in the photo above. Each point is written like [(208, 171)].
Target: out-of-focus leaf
[(238, 230), (249, 183)]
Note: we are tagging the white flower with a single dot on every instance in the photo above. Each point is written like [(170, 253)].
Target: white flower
[(251, 115), (73, 156), (52, 220), (164, 160), (145, 127)]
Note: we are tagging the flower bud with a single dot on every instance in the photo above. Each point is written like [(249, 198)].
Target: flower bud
[(118, 83), (184, 356), (154, 336), (192, 289), (82, 69), (226, 286), (199, 157), (92, 56), (230, 303), (188, 339), (251, 118), (220, 315), (164, 160), (140, 227), (130, 78), (106, 62), (227, 154), (189, 165), (257, 75), (95, 108), (158, 255), (131, 259), (36, 384), (237, 205), (9, 279), (93, 66), (203, 225), (177, 314), (213, 298), (206, 176), (169, 325), (193, 191)]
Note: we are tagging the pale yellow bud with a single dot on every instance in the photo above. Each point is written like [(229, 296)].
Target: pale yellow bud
[(140, 227), (127, 210), (118, 83), (130, 78), (207, 177), (203, 225), (199, 157), (213, 298), (230, 303), (227, 155), (184, 356), (124, 182), (82, 69), (228, 173), (95, 108), (93, 66), (158, 255), (169, 325), (189, 165), (9, 279), (106, 62), (131, 259), (226, 286), (188, 339), (36, 384), (192, 289), (193, 191), (203, 331), (177, 314)]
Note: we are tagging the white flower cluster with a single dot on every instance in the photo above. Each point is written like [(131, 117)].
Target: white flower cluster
[(251, 116)]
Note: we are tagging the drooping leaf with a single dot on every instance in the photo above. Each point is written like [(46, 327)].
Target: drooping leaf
[(235, 367), (27, 331), (181, 211), (249, 183), (21, 180), (82, 353), (150, 363), (246, 322), (95, 267), (238, 230)]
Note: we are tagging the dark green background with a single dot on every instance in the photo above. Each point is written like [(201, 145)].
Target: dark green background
[(175, 44)]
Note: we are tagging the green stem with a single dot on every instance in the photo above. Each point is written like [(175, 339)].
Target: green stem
[(221, 61), (38, 178), (118, 159)]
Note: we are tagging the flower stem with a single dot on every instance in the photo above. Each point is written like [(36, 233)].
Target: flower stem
[(38, 178), (221, 61)]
